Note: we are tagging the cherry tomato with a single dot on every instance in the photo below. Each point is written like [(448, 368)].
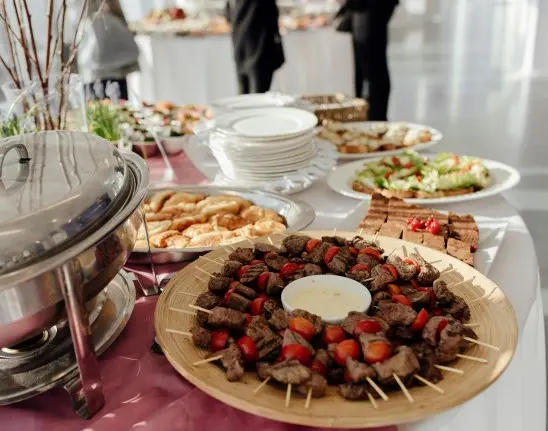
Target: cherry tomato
[(437, 312), (348, 377), (412, 262), (232, 285), (430, 291), (243, 270), (377, 351), (353, 250), (434, 227), (330, 254), (367, 326), (248, 318), (302, 327), (301, 265), (359, 267), (402, 299), (219, 338), (311, 244), (227, 296), (256, 262), (420, 321), (263, 280), (371, 252), (288, 269), (394, 289), (415, 224), (333, 334), (298, 352), (257, 305), (441, 326), (318, 367), (392, 269), (346, 348), (415, 284), (248, 348)]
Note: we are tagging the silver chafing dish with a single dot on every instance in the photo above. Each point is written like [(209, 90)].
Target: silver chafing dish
[(69, 216)]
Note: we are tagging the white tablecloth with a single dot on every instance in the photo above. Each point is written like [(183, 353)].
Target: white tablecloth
[(202, 69), (517, 401)]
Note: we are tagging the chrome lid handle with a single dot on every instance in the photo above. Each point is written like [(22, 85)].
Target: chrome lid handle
[(21, 150)]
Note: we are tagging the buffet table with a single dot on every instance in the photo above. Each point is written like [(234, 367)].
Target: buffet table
[(318, 61), (144, 392)]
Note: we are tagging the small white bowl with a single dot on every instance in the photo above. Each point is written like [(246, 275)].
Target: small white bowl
[(329, 296)]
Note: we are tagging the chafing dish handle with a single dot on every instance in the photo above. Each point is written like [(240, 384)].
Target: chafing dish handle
[(21, 150)]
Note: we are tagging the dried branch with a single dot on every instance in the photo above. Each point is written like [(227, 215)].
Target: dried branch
[(13, 33), (33, 42), (48, 36), (23, 40), (61, 79), (10, 71), (14, 59)]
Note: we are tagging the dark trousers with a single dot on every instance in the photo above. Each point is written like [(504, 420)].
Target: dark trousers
[(371, 63), (122, 85), (255, 81)]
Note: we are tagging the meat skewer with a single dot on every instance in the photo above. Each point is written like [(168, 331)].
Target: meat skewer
[(372, 401), (288, 395), (472, 358), (429, 384), (470, 280), (187, 293), (262, 385), (205, 310), (378, 390), (209, 260), (207, 360), (403, 388), (308, 398), (481, 343), (178, 310), (450, 369), (471, 325), (204, 271), (175, 331)]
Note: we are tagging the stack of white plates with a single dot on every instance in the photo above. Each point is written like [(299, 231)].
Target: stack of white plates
[(261, 146), (251, 101)]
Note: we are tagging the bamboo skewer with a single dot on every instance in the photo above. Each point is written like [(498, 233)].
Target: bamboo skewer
[(204, 271), (470, 280), (429, 384), (481, 343), (404, 249), (450, 369), (334, 232), (360, 232), (205, 310), (372, 401), (175, 331), (262, 385), (288, 395), (270, 241), (377, 389), (187, 293), (201, 279), (308, 398), (207, 360), (473, 358), (471, 325), (448, 271), (178, 310), (403, 388), (207, 259)]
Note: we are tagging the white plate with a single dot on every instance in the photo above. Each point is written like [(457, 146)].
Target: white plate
[(365, 125), (266, 123), (233, 146), (247, 101), (503, 178), (491, 234)]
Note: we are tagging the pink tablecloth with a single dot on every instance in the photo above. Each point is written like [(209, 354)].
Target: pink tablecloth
[(142, 390)]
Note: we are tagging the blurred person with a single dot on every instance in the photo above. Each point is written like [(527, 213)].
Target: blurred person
[(107, 52), (258, 50), (368, 21)]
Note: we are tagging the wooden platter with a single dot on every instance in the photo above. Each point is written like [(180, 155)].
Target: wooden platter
[(489, 307)]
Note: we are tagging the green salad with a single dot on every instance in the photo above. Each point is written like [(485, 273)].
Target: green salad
[(413, 172)]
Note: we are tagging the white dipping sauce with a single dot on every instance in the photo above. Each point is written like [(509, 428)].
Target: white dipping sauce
[(329, 296)]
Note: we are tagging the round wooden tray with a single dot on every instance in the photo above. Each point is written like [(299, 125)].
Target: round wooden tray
[(488, 305)]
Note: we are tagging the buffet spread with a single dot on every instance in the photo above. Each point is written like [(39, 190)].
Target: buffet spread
[(388, 324)]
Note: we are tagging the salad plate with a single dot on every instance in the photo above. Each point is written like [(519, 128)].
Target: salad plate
[(444, 178)]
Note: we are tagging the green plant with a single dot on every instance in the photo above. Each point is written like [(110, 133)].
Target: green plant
[(104, 120)]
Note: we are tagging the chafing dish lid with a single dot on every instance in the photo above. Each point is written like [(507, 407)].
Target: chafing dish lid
[(55, 188)]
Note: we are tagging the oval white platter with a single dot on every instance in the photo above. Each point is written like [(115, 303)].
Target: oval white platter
[(503, 178)]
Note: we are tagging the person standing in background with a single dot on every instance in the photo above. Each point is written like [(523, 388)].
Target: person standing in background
[(258, 50), (368, 20), (107, 52)]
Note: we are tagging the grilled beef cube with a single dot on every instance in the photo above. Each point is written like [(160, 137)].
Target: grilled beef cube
[(312, 318), (395, 313), (406, 271), (427, 361), (267, 341), (240, 289), (452, 341), (294, 276), (295, 244), (381, 278), (370, 261), (428, 273), (231, 268), (200, 336), (380, 296), (443, 294), (361, 243), (323, 357), (237, 302), (336, 240), (353, 392), (253, 273), (232, 362), (269, 307), (335, 376), (317, 385), (317, 253), (430, 330), (420, 299), (218, 284), (264, 370), (349, 322), (226, 318), (407, 289), (291, 337), (312, 269), (458, 309), (243, 255), (262, 248), (274, 261), (358, 371), (206, 300), (338, 264), (291, 371), (404, 364), (274, 284), (278, 321), (405, 333)]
